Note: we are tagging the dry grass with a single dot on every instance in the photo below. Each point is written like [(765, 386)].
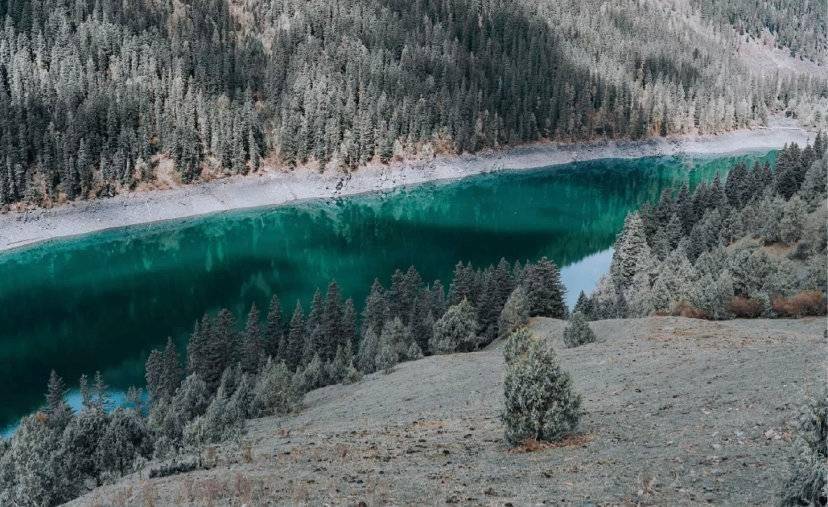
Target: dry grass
[(685, 309), (806, 303), (745, 308), (247, 451), (533, 445)]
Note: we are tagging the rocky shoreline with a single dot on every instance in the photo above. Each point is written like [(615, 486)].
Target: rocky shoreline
[(275, 187)]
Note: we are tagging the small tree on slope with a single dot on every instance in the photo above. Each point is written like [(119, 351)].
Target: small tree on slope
[(540, 402), (456, 331), (809, 467), (515, 312), (578, 332)]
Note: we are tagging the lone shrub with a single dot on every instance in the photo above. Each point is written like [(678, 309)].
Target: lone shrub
[(809, 467), (578, 332), (540, 402)]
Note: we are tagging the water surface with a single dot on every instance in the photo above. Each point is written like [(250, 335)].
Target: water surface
[(102, 301)]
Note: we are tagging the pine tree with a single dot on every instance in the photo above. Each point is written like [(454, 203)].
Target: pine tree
[(387, 356), (578, 332), (397, 335), (296, 338), (368, 348), (152, 375), (101, 399), (56, 407), (438, 299), (330, 323), (583, 305), (375, 310), (314, 334), (273, 329), (86, 394), (252, 352), (809, 474), (793, 220), (631, 252), (456, 330), (540, 403), (544, 290), (515, 313)]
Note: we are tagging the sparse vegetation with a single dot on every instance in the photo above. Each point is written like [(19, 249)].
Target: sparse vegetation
[(540, 403), (809, 466)]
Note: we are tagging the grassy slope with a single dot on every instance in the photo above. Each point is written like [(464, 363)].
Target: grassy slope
[(679, 411)]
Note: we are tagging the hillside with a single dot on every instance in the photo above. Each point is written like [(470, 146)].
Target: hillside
[(679, 412), (101, 98)]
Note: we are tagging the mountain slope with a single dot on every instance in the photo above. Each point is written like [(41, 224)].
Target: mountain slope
[(96, 98), (679, 411)]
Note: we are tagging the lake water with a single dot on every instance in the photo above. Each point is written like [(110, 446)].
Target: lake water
[(102, 301)]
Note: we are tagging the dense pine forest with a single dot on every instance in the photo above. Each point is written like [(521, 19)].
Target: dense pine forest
[(751, 245), (798, 26), (100, 97)]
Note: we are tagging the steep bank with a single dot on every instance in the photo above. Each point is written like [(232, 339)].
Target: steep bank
[(679, 412), (276, 187)]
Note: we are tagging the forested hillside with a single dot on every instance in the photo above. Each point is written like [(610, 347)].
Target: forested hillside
[(748, 246), (94, 95), (801, 26)]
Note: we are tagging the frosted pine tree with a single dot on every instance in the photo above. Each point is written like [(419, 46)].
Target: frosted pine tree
[(515, 312), (540, 403), (456, 331), (578, 332), (631, 252)]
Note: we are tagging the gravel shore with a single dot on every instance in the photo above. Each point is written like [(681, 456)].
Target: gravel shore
[(274, 187)]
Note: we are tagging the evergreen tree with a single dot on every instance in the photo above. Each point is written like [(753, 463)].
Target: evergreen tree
[(375, 310), (544, 290), (56, 407), (515, 313), (273, 329), (252, 349), (368, 348), (330, 323), (631, 252), (583, 305), (456, 330), (296, 338), (540, 403), (578, 332), (387, 356)]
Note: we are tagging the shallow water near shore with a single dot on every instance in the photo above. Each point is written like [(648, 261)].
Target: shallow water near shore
[(104, 300)]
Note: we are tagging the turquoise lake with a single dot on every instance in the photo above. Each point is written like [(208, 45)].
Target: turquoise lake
[(102, 301)]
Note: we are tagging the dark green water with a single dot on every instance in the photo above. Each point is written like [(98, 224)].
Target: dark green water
[(102, 301)]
